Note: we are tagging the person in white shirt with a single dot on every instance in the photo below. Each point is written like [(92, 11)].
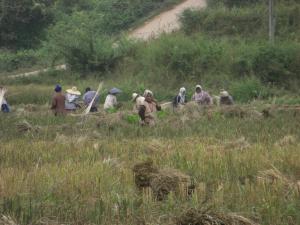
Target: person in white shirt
[(138, 101), (111, 99), (72, 97)]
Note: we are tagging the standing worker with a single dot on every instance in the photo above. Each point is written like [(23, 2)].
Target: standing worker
[(58, 101)]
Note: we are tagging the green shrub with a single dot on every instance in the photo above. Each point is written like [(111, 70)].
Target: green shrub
[(23, 23), (278, 64), (180, 57), (10, 61), (248, 22), (82, 47), (248, 89), (132, 119)]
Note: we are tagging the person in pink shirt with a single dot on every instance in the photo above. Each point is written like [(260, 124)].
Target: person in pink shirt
[(201, 97)]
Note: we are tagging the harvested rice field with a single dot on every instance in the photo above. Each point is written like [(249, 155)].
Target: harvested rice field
[(223, 166)]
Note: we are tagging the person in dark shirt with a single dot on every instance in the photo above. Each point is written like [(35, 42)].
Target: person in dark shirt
[(180, 99)]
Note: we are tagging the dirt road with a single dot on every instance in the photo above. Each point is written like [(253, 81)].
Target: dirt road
[(165, 22), (37, 72)]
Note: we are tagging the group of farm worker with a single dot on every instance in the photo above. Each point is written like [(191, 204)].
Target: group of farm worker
[(70, 102), (144, 105)]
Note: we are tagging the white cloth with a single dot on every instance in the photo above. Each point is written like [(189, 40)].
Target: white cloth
[(138, 102), (110, 101), (182, 92), (70, 103)]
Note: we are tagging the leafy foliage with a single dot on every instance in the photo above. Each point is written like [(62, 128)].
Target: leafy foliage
[(22, 22)]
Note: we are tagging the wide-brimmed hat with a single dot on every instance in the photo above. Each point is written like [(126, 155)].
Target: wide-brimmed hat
[(73, 91), (224, 94), (114, 91), (134, 96)]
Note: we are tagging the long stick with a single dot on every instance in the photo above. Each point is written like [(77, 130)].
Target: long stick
[(271, 21)]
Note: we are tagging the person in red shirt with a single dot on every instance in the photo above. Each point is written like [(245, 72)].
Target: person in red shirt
[(58, 101)]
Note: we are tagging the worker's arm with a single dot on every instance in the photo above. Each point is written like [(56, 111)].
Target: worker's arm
[(193, 97), (142, 111), (158, 107)]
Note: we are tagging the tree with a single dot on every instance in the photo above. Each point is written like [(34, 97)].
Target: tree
[(22, 22)]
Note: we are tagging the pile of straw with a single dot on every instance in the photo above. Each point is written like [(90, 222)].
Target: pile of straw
[(143, 172), (162, 182), (197, 217), (274, 176), (25, 126), (7, 220)]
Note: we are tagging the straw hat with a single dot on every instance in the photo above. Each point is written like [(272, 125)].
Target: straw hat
[(73, 91), (224, 94), (134, 96)]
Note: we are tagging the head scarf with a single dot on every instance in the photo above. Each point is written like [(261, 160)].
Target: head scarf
[(199, 86), (182, 92), (148, 92), (57, 88)]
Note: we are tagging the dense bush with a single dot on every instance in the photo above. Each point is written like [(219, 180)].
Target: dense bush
[(249, 22), (22, 22), (82, 47), (181, 57), (248, 89), (22, 59), (278, 65)]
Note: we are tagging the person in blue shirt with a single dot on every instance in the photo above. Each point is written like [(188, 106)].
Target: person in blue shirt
[(88, 98)]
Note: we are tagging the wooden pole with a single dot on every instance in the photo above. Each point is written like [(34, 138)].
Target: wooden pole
[(271, 21)]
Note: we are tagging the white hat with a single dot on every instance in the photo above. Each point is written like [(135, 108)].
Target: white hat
[(73, 91), (198, 86), (224, 94), (134, 96)]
